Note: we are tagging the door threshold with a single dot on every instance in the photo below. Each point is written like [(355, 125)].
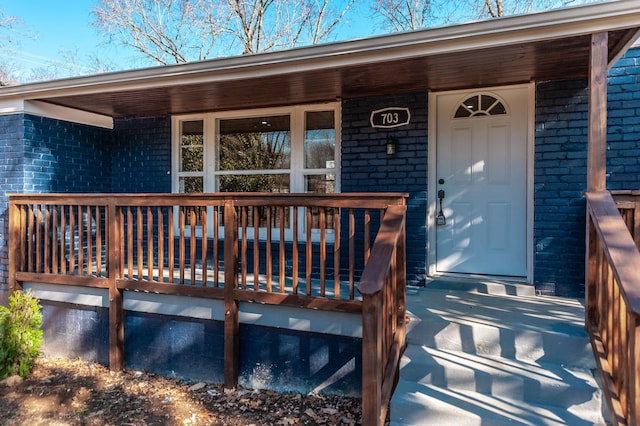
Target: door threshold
[(512, 286)]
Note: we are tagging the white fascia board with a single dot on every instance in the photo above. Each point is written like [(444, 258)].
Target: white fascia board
[(550, 25), (44, 109)]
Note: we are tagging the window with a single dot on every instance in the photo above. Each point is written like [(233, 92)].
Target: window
[(294, 149), (480, 105)]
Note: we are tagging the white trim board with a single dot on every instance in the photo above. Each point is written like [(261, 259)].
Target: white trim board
[(44, 109), (285, 317)]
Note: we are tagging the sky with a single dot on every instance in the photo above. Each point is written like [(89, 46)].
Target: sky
[(56, 26), (59, 26)]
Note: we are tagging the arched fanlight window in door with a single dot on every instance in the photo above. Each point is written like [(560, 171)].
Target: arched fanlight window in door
[(480, 105)]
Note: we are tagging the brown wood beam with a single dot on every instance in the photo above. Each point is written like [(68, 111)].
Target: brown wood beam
[(16, 254), (231, 313), (597, 141), (116, 310)]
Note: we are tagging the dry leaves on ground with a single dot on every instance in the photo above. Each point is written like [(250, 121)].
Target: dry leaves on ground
[(72, 392)]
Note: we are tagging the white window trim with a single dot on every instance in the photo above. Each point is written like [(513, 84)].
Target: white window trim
[(296, 171)]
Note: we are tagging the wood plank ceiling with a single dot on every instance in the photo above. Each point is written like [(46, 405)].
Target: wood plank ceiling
[(509, 64)]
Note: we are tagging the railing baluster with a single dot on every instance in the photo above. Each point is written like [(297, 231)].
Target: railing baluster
[(309, 253), (323, 251), (139, 240), (80, 265), (205, 239), (336, 253), (150, 252), (55, 266), (171, 242), (192, 244), (89, 240), (47, 240), (294, 251), (63, 239), (99, 243), (256, 248), (160, 233), (352, 254), (268, 260), (72, 241), (367, 235), (38, 225), (243, 248), (130, 228), (281, 264), (216, 260), (181, 247)]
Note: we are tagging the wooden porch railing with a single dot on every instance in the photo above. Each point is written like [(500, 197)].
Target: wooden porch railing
[(613, 305), (311, 251)]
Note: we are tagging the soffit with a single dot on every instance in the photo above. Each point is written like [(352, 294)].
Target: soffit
[(473, 55)]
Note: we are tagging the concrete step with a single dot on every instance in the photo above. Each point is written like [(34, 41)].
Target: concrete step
[(475, 358), (541, 383), (423, 404), (541, 329)]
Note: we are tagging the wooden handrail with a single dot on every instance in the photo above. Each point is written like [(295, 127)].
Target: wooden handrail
[(383, 316), (613, 306)]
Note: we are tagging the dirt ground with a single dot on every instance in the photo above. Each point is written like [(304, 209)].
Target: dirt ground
[(71, 392)]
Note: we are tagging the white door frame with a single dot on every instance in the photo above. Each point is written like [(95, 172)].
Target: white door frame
[(432, 180)]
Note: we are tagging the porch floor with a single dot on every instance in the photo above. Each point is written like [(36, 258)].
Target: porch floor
[(494, 353)]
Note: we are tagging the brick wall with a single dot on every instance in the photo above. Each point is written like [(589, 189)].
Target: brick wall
[(11, 160), (65, 157), (623, 138), (366, 167), (142, 155), (560, 179)]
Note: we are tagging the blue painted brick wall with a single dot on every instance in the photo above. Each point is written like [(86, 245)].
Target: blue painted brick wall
[(11, 161), (560, 180), (366, 167), (65, 157), (623, 138), (142, 155)]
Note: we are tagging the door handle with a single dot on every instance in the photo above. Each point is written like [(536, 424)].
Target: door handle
[(441, 220)]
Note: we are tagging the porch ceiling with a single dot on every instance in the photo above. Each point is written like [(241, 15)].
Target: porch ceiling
[(546, 46)]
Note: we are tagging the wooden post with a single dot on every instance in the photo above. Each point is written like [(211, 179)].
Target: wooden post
[(231, 315), (633, 411), (16, 253), (597, 149), (372, 359), (116, 311)]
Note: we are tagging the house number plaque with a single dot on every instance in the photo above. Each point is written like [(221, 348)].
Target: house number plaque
[(387, 118)]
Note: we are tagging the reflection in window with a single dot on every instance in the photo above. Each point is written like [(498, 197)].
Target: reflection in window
[(480, 105), (191, 146), (254, 183), (319, 140), (256, 143)]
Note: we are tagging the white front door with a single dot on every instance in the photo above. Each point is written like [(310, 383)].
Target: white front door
[(481, 167)]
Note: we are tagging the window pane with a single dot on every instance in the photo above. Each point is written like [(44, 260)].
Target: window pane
[(191, 146), (253, 183), (319, 140), (256, 143), (191, 184), (323, 184)]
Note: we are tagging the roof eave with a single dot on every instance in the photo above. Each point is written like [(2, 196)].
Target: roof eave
[(569, 22)]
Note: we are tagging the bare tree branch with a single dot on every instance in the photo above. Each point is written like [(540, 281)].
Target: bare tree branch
[(166, 31)]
